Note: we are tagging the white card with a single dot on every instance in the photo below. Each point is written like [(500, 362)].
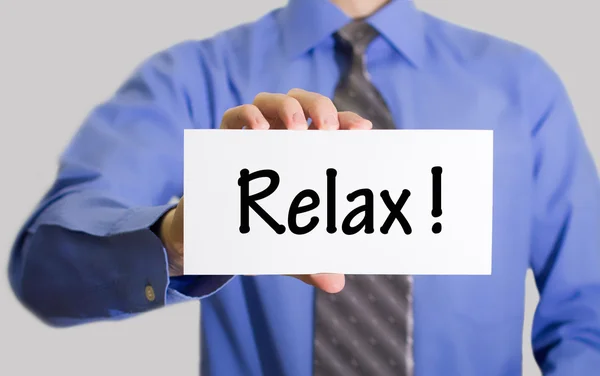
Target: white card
[(326, 232)]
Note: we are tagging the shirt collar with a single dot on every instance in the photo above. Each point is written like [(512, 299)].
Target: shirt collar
[(306, 23)]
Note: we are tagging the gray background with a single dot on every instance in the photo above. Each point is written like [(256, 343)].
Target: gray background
[(59, 58)]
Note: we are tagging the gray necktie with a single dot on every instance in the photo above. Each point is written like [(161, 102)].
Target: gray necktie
[(367, 328)]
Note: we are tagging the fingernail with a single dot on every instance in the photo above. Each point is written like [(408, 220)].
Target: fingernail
[(331, 122), (337, 284), (337, 287), (299, 119), (261, 124)]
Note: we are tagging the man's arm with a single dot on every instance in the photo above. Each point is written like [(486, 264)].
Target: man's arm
[(88, 252), (566, 226)]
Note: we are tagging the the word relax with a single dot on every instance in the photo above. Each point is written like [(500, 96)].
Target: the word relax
[(364, 211)]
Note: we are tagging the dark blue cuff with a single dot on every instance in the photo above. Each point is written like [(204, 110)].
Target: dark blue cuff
[(70, 276), (178, 289)]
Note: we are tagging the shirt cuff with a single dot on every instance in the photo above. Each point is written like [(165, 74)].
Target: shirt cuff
[(175, 289)]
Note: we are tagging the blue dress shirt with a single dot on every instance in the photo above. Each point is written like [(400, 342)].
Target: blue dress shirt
[(87, 252)]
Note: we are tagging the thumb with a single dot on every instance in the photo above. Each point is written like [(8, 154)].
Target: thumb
[(331, 283)]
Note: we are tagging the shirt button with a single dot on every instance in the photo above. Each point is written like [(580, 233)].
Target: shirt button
[(150, 293)]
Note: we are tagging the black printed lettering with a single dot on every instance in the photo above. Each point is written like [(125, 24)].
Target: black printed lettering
[(296, 209), (366, 209), (248, 201), (395, 212)]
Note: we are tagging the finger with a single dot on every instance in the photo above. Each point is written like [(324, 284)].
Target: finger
[(247, 115), (318, 107), (281, 108), (352, 121), (331, 283)]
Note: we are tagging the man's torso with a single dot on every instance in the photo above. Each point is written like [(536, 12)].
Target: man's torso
[(467, 325)]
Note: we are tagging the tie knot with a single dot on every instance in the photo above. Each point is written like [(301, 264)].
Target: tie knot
[(357, 35)]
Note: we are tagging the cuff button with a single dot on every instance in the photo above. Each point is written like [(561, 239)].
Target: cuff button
[(150, 293)]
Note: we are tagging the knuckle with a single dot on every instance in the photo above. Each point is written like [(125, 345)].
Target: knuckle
[(295, 91), (229, 113), (322, 102), (246, 110), (288, 102), (353, 115), (260, 96)]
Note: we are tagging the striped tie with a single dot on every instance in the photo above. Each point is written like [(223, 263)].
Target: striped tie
[(367, 328)]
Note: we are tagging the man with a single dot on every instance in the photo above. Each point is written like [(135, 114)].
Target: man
[(106, 243)]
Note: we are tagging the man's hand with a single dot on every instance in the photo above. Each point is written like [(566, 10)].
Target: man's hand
[(291, 111), (271, 111)]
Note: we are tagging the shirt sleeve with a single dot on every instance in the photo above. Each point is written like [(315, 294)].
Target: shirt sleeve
[(87, 252), (566, 227)]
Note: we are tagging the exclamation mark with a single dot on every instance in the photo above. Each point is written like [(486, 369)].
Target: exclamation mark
[(436, 210)]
